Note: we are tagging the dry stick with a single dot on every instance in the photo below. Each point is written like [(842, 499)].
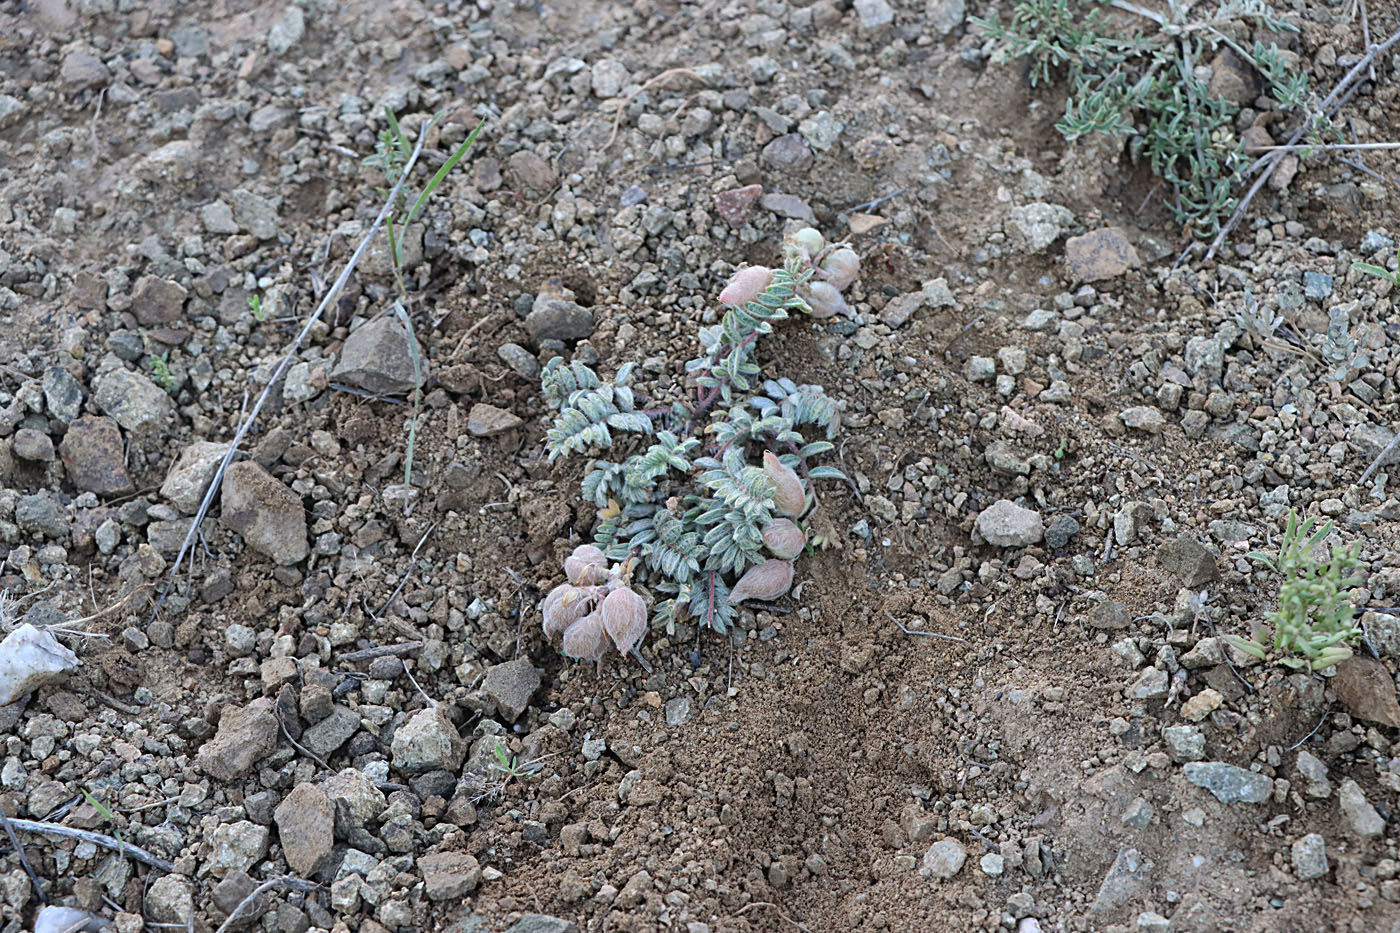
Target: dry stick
[(404, 579), (297, 745), (1330, 147), (1271, 161), (1379, 457), (286, 882), (383, 651), (326, 301), (622, 107), (83, 835), (910, 631), (23, 859), (1366, 35)]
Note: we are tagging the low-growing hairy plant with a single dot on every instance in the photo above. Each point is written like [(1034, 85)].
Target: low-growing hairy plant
[(1146, 88), (1257, 318), (700, 491), (1314, 614)]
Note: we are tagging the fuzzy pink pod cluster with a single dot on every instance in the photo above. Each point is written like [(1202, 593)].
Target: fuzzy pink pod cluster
[(784, 539), (746, 285), (586, 566), (624, 618), (585, 640), (593, 611)]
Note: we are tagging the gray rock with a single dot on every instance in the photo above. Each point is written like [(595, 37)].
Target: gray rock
[(93, 452), (1369, 440), (542, 923), (1310, 857), (449, 876), (82, 70), (217, 218), (1035, 226), (821, 130), (519, 359), (306, 829), (253, 214), (1006, 524), (945, 15), (245, 735), (1002, 457), (531, 170), (1109, 615), (12, 111), (428, 742), (236, 846), (1314, 775), (1361, 817), (268, 515), (170, 899), (677, 712), (510, 686), (734, 205), (63, 395), (786, 153), (287, 31), (1228, 783), (233, 889), (1205, 356), (1060, 530), (1152, 682), (1139, 813), (134, 402), (1317, 285), (1184, 743), (158, 301), (30, 444), (355, 799), (40, 514), (1144, 418), (189, 475), (874, 13), (1126, 877), (554, 318), (378, 357), (488, 420), (1206, 653), (609, 78), (326, 737), (1190, 560), (944, 859)]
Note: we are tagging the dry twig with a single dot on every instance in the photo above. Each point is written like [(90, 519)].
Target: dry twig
[(285, 882), (100, 839), (650, 82)]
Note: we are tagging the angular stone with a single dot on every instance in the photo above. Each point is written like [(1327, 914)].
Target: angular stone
[(944, 859), (306, 829), (555, 318), (355, 798), (63, 395), (1309, 856), (449, 875), (786, 153), (1314, 775), (254, 214), (1190, 560), (541, 923), (1126, 877), (268, 515), (378, 357), (189, 476), (1361, 817), (1152, 682), (33, 445), (1228, 783), (1366, 689), (170, 899), (158, 301), (1144, 418), (1100, 254), (1006, 524), (1184, 743), (134, 402), (734, 205), (95, 457), (488, 420), (245, 735), (528, 169), (82, 70), (510, 686), (428, 741), (1035, 226), (326, 737), (236, 846)]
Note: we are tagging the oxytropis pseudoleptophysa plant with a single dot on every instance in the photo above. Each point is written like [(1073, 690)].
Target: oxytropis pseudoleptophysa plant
[(694, 493)]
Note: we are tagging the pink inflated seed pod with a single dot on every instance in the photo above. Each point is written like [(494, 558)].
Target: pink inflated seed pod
[(824, 300), (805, 244), (585, 640), (841, 268), (624, 618), (586, 566), (784, 539), (767, 580), (789, 496), (746, 285), (564, 606)]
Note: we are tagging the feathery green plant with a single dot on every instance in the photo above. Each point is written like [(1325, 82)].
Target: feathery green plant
[(1314, 615), (1145, 88), (691, 493)]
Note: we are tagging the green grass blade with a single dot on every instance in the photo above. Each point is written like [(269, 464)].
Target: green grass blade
[(417, 393), (399, 139), (394, 253), (441, 173)]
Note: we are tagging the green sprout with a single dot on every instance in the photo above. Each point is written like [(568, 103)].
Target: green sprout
[(511, 766), (107, 815), (160, 371), (1314, 615), (259, 312), (1379, 271)]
